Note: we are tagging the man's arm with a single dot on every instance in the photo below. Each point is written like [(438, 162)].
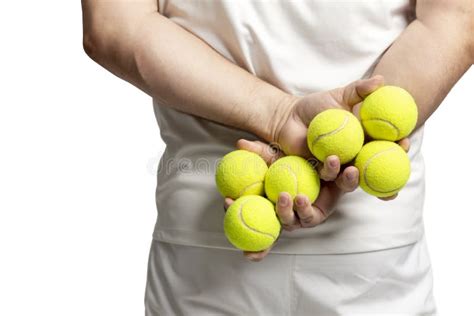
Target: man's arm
[(432, 53), (134, 41)]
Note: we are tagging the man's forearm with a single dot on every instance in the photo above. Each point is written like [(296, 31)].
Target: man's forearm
[(177, 68), (431, 55)]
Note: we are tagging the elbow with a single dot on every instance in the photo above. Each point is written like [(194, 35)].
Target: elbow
[(470, 34), (110, 33), (90, 35), (93, 38), (109, 28), (109, 41), (105, 48), (98, 38), (471, 47), (90, 45), (470, 28)]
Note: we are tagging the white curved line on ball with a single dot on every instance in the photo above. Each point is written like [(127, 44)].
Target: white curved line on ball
[(386, 122), (344, 123), (248, 187), (251, 228)]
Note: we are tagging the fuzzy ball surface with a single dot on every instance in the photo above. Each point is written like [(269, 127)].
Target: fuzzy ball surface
[(384, 168), (294, 175), (335, 132), (389, 113), (239, 173), (251, 224)]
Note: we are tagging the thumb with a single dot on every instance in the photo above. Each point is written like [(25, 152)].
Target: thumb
[(268, 152), (357, 91)]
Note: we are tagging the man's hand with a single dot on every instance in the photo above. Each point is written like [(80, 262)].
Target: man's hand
[(292, 122), (300, 213), (291, 125), (291, 139)]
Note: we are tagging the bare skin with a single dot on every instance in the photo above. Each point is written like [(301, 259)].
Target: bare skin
[(134, 41)]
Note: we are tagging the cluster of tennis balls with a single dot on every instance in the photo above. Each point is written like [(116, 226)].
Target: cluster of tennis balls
[(387, 115), (250, 222)]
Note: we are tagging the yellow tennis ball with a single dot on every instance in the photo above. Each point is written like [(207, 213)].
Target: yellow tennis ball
[(335, 132), (294, 175), (251, 223), (241, 172), (389, 113), (384, 168)]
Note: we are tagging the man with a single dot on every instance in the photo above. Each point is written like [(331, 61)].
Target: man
[(257, 72)]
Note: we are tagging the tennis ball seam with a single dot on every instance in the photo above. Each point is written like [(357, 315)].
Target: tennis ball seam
[(249, 186), (366, 166), (249, 227), (341, 127), (385, 121)]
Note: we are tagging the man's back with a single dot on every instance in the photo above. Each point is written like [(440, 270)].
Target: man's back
[(300, 47)]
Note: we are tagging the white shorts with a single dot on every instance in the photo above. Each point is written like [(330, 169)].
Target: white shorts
[(187, 280)]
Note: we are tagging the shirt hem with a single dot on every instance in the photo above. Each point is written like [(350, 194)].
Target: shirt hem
[(291, 246)]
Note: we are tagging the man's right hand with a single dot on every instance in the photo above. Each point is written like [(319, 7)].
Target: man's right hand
[(299, 212), (292, 120)]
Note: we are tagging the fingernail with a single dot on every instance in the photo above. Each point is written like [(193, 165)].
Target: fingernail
[(300, 201), (283, 200), (333, 163), (350, 177)]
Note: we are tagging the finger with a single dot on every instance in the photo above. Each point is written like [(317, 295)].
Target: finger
[(256, 256), (324, 204), (389, 198), (348, 180), (284, 209), (305, 211), (330, 169), (269, 153), (227, 203), (404, 143), (356, 91)]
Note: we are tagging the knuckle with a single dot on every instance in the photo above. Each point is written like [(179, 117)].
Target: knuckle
[(308, 225), (307, 220), (287, 227)]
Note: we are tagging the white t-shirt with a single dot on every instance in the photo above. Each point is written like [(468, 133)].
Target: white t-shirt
[(300, 47)]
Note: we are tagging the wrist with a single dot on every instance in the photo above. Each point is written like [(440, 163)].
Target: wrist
[(281, 113), (271, 107), (278, 114)]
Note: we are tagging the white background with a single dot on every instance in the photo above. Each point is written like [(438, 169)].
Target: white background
[(78, 149)]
